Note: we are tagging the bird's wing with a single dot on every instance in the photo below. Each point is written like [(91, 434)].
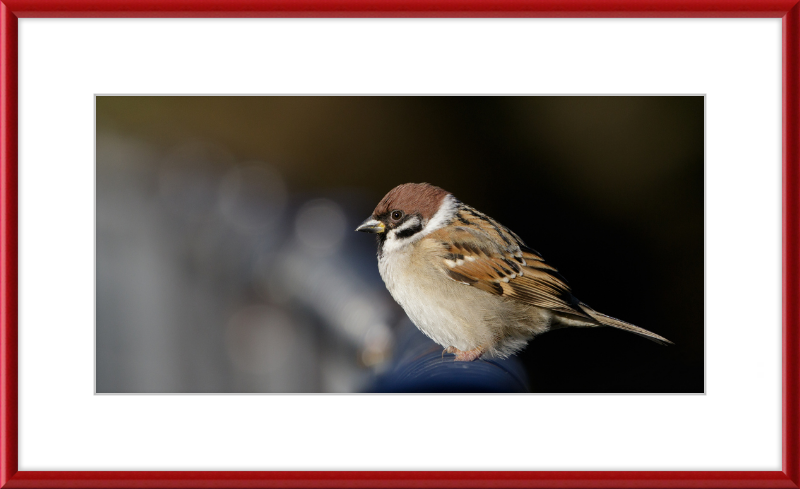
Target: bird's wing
[(492, 258)]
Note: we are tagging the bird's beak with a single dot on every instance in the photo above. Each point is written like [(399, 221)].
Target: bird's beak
[(371, 226)]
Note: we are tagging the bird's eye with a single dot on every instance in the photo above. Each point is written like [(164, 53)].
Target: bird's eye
[(397, 215)]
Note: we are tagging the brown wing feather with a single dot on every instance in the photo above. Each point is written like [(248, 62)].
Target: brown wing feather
[(489, 257)]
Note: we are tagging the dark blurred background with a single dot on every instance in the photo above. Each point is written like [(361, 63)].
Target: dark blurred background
[(227, 260)]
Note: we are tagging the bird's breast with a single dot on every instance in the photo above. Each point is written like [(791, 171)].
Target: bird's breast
[(450, 313)]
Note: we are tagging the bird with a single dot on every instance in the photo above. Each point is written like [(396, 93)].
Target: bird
[(468, 282)]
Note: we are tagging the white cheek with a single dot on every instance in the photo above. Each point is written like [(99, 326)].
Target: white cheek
[(414, 221), (394, 243), (443, 216)]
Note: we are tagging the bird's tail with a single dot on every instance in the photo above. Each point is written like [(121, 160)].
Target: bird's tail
[(616, 323)]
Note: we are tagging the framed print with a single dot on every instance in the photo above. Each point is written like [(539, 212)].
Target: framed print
[(185, 303)]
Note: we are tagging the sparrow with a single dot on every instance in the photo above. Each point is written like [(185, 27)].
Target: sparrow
[(468, 282)]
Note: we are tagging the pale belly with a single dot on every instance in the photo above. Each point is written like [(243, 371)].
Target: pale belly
[(450, 313)]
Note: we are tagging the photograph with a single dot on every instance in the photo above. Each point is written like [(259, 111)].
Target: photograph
[(400, 244)]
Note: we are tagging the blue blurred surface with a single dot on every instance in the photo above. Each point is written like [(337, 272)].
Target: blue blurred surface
[(419, 366)]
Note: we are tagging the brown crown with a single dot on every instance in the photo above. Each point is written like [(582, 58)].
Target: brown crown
[(411, 198)]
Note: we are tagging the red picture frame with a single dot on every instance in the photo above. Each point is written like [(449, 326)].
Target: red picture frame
[(788, 10)]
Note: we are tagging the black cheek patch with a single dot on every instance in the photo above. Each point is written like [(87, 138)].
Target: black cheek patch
[(405, 233)]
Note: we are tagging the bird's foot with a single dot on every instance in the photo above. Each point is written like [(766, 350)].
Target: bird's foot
[(465, 356)]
